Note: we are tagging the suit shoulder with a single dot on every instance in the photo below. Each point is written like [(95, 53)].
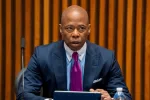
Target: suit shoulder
[(100, 49), (103, 52), (47, 47), (43, 51)]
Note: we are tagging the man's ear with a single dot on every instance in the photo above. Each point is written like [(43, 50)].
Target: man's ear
[(89, 28), (60, 28)]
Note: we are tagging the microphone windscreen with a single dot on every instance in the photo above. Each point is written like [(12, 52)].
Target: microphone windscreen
[(22, 43)]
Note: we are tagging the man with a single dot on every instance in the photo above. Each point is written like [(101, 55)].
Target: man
[(73, 63)]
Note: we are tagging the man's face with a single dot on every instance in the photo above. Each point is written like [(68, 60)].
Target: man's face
[(75, 30)]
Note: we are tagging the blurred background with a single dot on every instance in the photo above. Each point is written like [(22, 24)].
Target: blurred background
[(120, 25)]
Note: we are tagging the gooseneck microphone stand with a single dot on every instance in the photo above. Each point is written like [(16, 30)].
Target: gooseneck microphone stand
[(22, 64)]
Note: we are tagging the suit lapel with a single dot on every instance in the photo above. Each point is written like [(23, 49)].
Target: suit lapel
[(92, 67), (59, 65)]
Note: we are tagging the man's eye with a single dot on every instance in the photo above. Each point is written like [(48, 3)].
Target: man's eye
[(82, 28), (69, 28)]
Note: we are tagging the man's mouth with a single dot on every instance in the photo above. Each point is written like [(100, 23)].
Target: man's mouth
[(75, 42)]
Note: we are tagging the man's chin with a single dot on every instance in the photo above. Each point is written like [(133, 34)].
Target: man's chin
[(75, 47)]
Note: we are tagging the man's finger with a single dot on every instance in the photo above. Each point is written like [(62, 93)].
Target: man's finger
[(92, 90), (102, 97), (100, 90)]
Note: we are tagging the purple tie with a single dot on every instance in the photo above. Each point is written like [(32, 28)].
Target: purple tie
[(76, 74)]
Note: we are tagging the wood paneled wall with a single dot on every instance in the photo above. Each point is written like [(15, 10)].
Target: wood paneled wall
[(119, 25)]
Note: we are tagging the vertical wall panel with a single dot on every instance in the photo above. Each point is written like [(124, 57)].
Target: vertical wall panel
[(102, 34), (120, 33), (129, 44), (46, 22), (18, 28), (138, 57), (64, 4), (8, 67), (55, 20), (147, 54), (120, 25), (74, 2), (18, 36), (36, 22), (50, 20), (3, 52), (92, 20), (27, 30), (83, 4), (111, 24)]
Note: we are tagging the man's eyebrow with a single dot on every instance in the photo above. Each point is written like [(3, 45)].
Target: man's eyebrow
[(82, 25), (69, 25)]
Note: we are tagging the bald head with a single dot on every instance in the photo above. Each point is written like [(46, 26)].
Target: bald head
[(74, 11), (74, 27)]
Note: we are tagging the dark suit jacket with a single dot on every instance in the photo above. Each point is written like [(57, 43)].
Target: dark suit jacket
[(47, 69)]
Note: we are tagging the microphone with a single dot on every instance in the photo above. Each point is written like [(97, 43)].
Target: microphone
[(22, 52), (22, 64)]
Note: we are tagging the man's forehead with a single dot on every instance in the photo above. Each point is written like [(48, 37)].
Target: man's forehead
[(74, 11)]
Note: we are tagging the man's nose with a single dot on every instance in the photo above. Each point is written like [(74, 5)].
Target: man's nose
[(75, 33)]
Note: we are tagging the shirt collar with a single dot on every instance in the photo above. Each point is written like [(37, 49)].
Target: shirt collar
[(81, 52)]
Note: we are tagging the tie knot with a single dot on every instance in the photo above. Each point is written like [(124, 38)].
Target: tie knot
[(75, 56)]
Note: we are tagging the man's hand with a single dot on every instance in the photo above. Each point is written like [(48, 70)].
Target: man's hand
[(104, 94)]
